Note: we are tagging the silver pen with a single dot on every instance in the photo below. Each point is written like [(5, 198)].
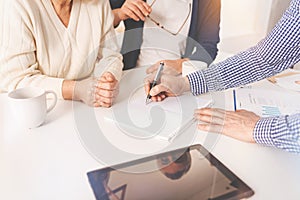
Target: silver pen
[(156, 79)]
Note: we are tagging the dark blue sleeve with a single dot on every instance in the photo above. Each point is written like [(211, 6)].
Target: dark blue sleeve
[(116, 3), (132, 38), (204, 30)]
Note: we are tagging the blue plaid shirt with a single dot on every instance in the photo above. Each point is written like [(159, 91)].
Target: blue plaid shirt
[(277, 52)]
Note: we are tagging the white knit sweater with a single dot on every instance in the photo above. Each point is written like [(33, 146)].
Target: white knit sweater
[(36, 49)]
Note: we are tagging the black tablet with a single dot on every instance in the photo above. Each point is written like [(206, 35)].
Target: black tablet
[(185, 174)]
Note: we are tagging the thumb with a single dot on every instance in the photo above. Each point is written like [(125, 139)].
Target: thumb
[(109, 77), (297, 82)]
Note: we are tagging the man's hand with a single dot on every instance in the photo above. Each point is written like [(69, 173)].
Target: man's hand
[(106, 90), (169, 86), (239, 124), (172, 67)]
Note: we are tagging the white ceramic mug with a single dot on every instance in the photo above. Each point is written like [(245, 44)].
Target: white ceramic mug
[(28, 106), (191, 66)]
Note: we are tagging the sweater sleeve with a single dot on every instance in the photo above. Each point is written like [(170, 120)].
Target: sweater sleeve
[(109, 59), (18, 64)]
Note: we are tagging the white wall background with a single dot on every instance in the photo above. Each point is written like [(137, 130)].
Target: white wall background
[(242, 17), (245, 22)]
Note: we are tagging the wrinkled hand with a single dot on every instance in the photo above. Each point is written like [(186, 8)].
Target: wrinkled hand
[(169, 86), (239, 124), (134, 9), (84, 91), (95, 92), (172, 67), (107, 89)]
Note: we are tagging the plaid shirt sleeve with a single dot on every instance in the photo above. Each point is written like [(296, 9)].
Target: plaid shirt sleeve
[(282, 132), (277, 52)]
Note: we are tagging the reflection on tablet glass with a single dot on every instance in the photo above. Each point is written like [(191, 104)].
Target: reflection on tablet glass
[(189, 174)]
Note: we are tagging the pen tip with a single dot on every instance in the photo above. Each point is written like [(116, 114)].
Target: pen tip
[(147, 101)]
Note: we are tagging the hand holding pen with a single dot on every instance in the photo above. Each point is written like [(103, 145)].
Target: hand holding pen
[(169, 85), (155, 81)]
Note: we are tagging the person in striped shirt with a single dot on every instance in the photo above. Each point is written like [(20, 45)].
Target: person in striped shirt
[(275, 53)]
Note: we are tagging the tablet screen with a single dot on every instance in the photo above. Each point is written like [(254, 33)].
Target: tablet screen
[(189, 173)]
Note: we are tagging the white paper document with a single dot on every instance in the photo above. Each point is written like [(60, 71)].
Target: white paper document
[(162, 120), (158, 120), (267, 103)]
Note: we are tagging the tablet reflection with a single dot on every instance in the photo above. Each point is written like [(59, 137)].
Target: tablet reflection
[(174, 166)]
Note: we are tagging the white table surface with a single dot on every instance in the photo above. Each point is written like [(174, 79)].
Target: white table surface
[(50, 162)]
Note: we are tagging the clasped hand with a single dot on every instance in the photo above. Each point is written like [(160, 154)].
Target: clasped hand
[(97, 92)]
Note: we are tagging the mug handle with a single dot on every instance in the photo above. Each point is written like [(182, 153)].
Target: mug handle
[(54, 101)]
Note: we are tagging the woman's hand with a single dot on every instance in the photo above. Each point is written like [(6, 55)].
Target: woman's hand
[(134, 9), (96, 92), (239, 124), (107, 89)]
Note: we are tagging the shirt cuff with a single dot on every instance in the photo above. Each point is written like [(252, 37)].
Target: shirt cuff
[(262, 133), (116, 70), (197, 83)]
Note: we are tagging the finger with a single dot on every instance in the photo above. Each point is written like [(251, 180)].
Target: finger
[(139, 11), (211, 112), (163, 96), (212, 128), (107, 85), (135, 10), (96, 104), (147, 87), (297, 82), (209, 119), (108, 77), (147, 82), (144, 7), (104, 99), (158, 98), (105, 93), (105, 105), (130, 14), (104, 79)]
